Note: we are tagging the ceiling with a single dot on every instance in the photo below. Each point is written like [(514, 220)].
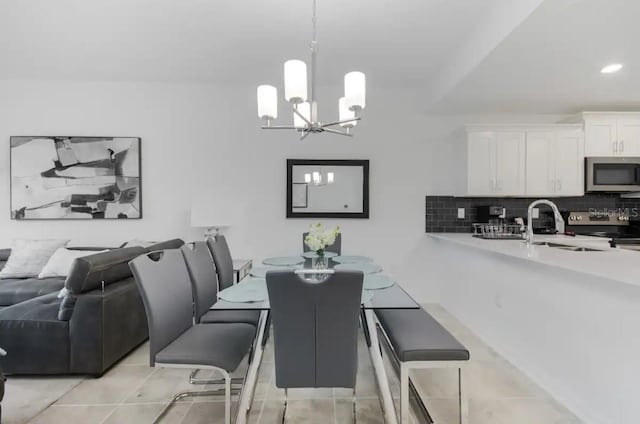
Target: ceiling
[(458, 55), (551, 63)]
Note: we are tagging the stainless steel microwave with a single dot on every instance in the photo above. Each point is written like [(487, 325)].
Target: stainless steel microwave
[(612, 174)]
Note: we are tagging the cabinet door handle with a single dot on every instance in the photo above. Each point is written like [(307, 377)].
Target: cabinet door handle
[(615, 147), (621, 146)]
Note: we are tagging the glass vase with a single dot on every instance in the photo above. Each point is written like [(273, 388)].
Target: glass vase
[(320, 262)]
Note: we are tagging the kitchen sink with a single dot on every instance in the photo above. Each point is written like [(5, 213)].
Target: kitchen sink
[(566, 247)]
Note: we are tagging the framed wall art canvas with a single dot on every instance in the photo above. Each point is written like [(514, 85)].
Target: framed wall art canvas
[(75, 178)]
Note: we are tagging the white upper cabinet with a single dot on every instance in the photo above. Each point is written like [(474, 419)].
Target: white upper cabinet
[(612, 134), (568, 157), (534, 161), (555, 163), (495, 163), (540, 166)]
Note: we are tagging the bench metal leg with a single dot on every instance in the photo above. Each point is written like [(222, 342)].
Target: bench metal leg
[(404, 394), (463, 399)]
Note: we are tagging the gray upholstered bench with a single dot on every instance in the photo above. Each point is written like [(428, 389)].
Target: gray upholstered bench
[(419, 341)]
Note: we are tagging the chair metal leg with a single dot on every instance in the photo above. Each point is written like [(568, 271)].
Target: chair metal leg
[(194, 380), (227, 399), (463, 400), (354, 406), (286, 401), (183, 395)]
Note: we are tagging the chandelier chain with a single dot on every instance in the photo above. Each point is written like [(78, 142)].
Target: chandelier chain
[(314, 21)]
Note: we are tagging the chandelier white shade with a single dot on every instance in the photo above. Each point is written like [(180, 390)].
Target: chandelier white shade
[(267, 102), (345, 114), (300, 92), (303, 109), (355, 90), (295, 81)]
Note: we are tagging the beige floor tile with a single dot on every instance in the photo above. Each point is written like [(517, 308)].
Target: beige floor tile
[(162, 385), (311, 411), (86, 414), (520, 411), (140, 356), (205, 413), (498, 379), (146, 413), (368, 411), (112, 388), (26, 397)]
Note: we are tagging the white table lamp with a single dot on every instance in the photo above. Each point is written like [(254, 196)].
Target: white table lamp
[(210, 215)]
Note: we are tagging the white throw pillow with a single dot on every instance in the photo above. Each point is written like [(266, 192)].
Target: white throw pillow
[(28, 257), (60, 262)]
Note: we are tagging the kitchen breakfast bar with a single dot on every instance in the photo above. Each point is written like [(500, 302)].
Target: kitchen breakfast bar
[(569, 318)]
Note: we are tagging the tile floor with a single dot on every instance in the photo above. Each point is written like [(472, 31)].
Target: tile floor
[(132, 392)]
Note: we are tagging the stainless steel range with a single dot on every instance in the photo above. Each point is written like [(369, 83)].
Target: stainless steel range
[(613, 224)]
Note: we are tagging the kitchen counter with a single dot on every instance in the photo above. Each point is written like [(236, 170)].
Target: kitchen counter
[(568, 319), (612, 264)]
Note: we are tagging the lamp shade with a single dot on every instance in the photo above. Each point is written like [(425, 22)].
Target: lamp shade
[(345, 113), (295, 81), (267, 102), (329, 177), (355, 90), (212, 213), (305, 110)]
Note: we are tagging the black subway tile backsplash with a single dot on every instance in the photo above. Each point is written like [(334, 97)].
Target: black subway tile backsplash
[(442, 211)]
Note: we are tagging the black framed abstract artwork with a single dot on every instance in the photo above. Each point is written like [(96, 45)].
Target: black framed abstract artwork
[(75, 178)]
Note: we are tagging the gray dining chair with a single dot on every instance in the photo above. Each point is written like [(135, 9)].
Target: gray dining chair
[(336, 247), (174, 340), (222, 259), (315, 329), (204, 283)]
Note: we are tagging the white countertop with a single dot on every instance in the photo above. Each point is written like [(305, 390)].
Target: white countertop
[(613, 264)]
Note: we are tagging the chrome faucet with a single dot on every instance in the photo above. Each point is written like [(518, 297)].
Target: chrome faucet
[(556, 213)]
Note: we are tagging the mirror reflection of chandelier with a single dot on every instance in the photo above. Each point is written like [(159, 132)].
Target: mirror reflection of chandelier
[(317, 179), (304, 103)]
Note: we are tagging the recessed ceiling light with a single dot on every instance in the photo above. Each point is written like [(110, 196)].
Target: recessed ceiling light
[(610, 69)]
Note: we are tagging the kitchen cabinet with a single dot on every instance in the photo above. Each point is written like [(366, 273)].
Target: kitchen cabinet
[(612, 134), (554, 163), (544, 160), (496, 163)]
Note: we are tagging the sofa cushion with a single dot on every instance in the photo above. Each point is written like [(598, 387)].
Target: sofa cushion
[(28, 257), (18, 290), (31, 329), (60, 262), (90, 272)]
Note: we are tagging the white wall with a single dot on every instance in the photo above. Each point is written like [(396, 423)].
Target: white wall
[(203, 140)]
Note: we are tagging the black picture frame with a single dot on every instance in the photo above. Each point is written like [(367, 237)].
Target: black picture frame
[(140, 199), (364, 163)]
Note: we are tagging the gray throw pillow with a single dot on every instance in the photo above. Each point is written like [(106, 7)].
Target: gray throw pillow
[(28, 257)]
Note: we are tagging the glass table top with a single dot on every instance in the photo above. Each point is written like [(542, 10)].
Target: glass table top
[(384, 292)]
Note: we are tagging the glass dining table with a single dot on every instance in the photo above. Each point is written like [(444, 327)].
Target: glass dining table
[(379, 292)]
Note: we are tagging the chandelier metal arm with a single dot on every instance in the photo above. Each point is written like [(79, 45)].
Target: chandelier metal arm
[(304, 118), (332, 131), (279, 127), (331, 124), (304, 135)]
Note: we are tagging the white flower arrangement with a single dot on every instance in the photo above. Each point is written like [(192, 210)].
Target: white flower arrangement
[(319, 239)]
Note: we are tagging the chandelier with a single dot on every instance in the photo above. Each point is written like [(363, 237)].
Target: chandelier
[(317, 179), (304, 104)]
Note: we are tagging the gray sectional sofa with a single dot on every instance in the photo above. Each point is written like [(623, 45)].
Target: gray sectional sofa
[(99, 321)]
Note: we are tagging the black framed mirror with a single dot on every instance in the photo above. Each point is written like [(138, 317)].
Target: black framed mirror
[(327, 188)]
